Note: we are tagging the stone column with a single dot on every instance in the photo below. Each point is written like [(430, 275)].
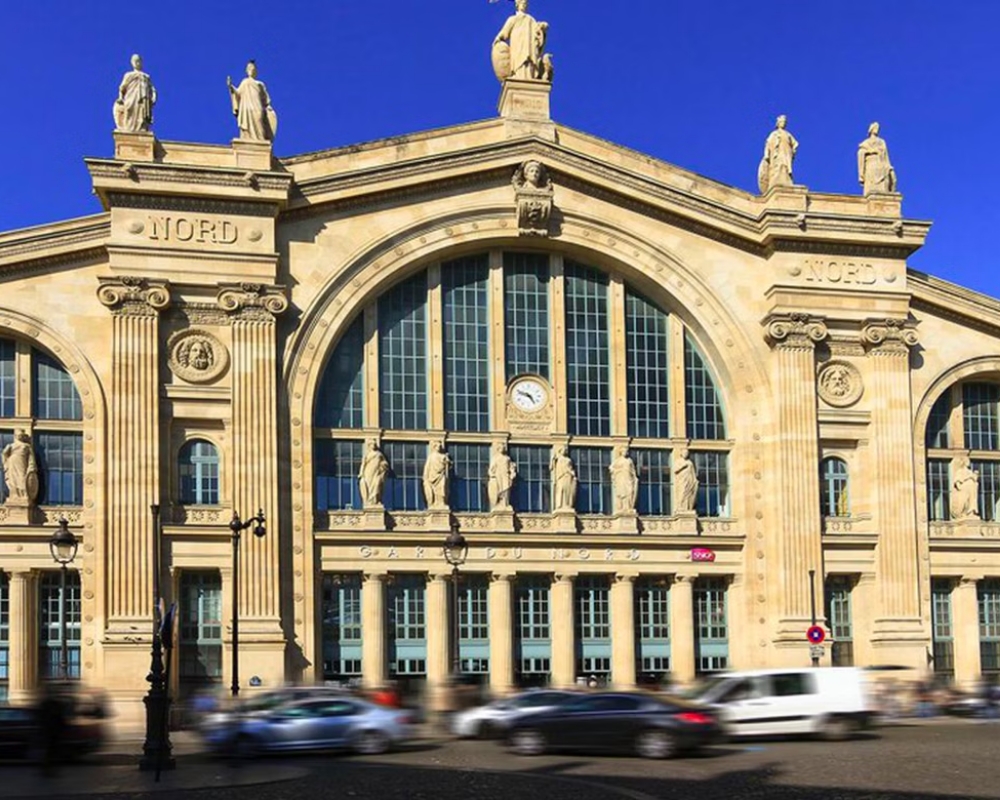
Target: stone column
[(252, 310), (623, 632), (965, 632), (22, 675), (501, 619), (439, 635), (561, 627), (557, 326), (373, 622), (864, 607), (134, 449), (798, 547), (898, 625), (682, 665)]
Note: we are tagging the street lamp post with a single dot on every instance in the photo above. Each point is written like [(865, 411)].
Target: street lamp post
[(63, 546), (812, 605), (237, 526), (156, 749), (455, 551)]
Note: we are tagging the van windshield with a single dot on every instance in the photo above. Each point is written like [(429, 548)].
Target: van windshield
[(705, 687)]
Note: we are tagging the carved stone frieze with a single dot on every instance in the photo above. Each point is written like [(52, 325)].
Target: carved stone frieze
[(252, 300), (839, 384), (196, 515), (200, 314), (533, 191), (131, 296), (196, 356), (889, 336), (795, 331)]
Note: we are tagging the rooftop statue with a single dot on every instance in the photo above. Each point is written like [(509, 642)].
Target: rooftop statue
[(779, 151), (518, 50), (256, 119), (874, 170), (133, 110)]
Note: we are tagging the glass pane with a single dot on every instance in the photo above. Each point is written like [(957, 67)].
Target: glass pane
[(704, 412), (937, 422), (593, 490), (526, 313), (470, 465), (646, 347), (713, 484), (532, 487), (52, 608), (465, 284), (404, 485), (200, 626), (833, 499), (938, 489), (339, 403), (979, 401), (198, 470), (55, 395), (653, 468), (402, 344), (337, 466), (60, 462), (342, 630), (587, 382), (7, 378)]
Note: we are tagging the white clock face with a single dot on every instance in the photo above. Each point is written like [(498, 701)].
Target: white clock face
[(529, 395)]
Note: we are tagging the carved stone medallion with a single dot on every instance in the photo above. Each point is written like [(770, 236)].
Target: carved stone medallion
[(839, 384), (196, 356)]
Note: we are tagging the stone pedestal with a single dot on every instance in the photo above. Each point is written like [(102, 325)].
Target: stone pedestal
[(373, 519), (626, 522), (502, 520), (252, 155), (564, 521), (438, 520), (685, 522), (138, 146), (15, 514), (524, 105)]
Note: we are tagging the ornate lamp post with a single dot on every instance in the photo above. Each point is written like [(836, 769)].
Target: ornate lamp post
[(455, 551), (63, 546), (156, 749), (237, 526)]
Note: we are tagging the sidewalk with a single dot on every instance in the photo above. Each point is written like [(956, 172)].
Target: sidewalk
[(115, 769)]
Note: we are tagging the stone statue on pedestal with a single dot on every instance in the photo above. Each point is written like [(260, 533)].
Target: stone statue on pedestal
[(133, 110), (533, 191), (255, 117), (964, 490), (518, 50), (436, 472), (779, 151), (563, 479), (502, 472), (875, 172), (624, 482), (685, 482), (20, 470), (372, 475)]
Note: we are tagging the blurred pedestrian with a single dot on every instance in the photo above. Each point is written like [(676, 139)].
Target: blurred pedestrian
[(52, 720)]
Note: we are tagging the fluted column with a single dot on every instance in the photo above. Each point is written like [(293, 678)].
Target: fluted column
[(22, 674), (562, 630), (799, 549), (889, 343), (682, 628), (965, 632), (501, 634), (439, 635), (623, 632), (134, 446), (253, 309), (373, 655)]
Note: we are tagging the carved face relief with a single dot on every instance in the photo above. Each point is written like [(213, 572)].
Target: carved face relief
[(197, 356), (839, 384)]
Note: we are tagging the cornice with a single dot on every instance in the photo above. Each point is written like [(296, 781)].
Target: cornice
[(41, 247), (955, 303)]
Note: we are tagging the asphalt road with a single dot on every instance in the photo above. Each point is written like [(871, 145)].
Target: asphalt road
[(940, 759)]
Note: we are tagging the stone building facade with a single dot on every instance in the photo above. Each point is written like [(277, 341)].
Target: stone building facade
[(234, 328)]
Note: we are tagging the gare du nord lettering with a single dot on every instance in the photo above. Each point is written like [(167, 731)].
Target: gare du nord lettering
[(822, 271), (196, 229)]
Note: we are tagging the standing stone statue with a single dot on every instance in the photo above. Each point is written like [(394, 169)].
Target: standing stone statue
[(563, 479), (20, 470), (501, 476), (779, 151), (875, 173), (256, 119), (436, 472), (372, 475), (518, 50), (133, 110), (964, 490), (685, 482), (624, 482)]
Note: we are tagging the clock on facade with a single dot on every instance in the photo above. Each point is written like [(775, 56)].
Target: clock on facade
[(529, 394)]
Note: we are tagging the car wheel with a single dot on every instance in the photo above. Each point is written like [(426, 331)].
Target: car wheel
[(527, 742), (371, 743), (656, 744), (836, 729)]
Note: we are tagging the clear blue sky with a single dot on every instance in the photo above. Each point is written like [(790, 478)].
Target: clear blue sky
[(697, 84)]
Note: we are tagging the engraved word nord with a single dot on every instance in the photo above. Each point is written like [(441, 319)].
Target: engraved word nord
[(196, 229), (840, 272)]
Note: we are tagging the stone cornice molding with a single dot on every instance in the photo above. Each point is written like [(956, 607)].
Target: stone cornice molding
[(252, 301), (892, 337), (795, 331), (132, 296)]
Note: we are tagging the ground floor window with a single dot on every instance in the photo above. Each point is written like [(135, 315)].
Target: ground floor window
[(4, 634), (54, 608), (989, 626), (838, 615), (407, 625), (942, 633), (341, 626), (593, 626), (711, 627), (533, 659), (473, 625), (652, 625), (200, 628)]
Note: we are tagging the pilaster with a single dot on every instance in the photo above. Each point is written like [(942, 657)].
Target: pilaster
[(501, 626), (498, 347), (439, 635), (134, 436), (965, 632), (623, 632), (557, 327), (373, 654), (22, 675), (618, 348), (682, 665), (793, 338), (562, 630), (864, 609)]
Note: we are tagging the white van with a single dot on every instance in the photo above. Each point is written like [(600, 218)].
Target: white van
[(831, 702)]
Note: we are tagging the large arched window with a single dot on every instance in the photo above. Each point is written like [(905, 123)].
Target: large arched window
[(443, 348), (198, 471), (834, 499), (49, 399), (964, 424)]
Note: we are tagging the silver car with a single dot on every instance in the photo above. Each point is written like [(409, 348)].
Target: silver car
[(493, 719), (319, 724)]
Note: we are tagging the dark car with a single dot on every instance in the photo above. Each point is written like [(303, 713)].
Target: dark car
[(82, 731), (653, 727)]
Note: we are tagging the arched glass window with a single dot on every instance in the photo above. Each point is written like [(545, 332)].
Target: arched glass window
[(833, 500), (198, 469), (341, 391), (704, 412)]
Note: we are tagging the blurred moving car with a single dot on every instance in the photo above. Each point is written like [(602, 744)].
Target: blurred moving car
[(83, 731), (493, 719), (832, 702), (652, 727), (264, 702), (316, 724)]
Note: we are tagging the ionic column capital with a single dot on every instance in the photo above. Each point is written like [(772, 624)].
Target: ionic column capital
[(252, 301), (374, 577), (892, 337), (686, 578), (134, 297), (795, 331)]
